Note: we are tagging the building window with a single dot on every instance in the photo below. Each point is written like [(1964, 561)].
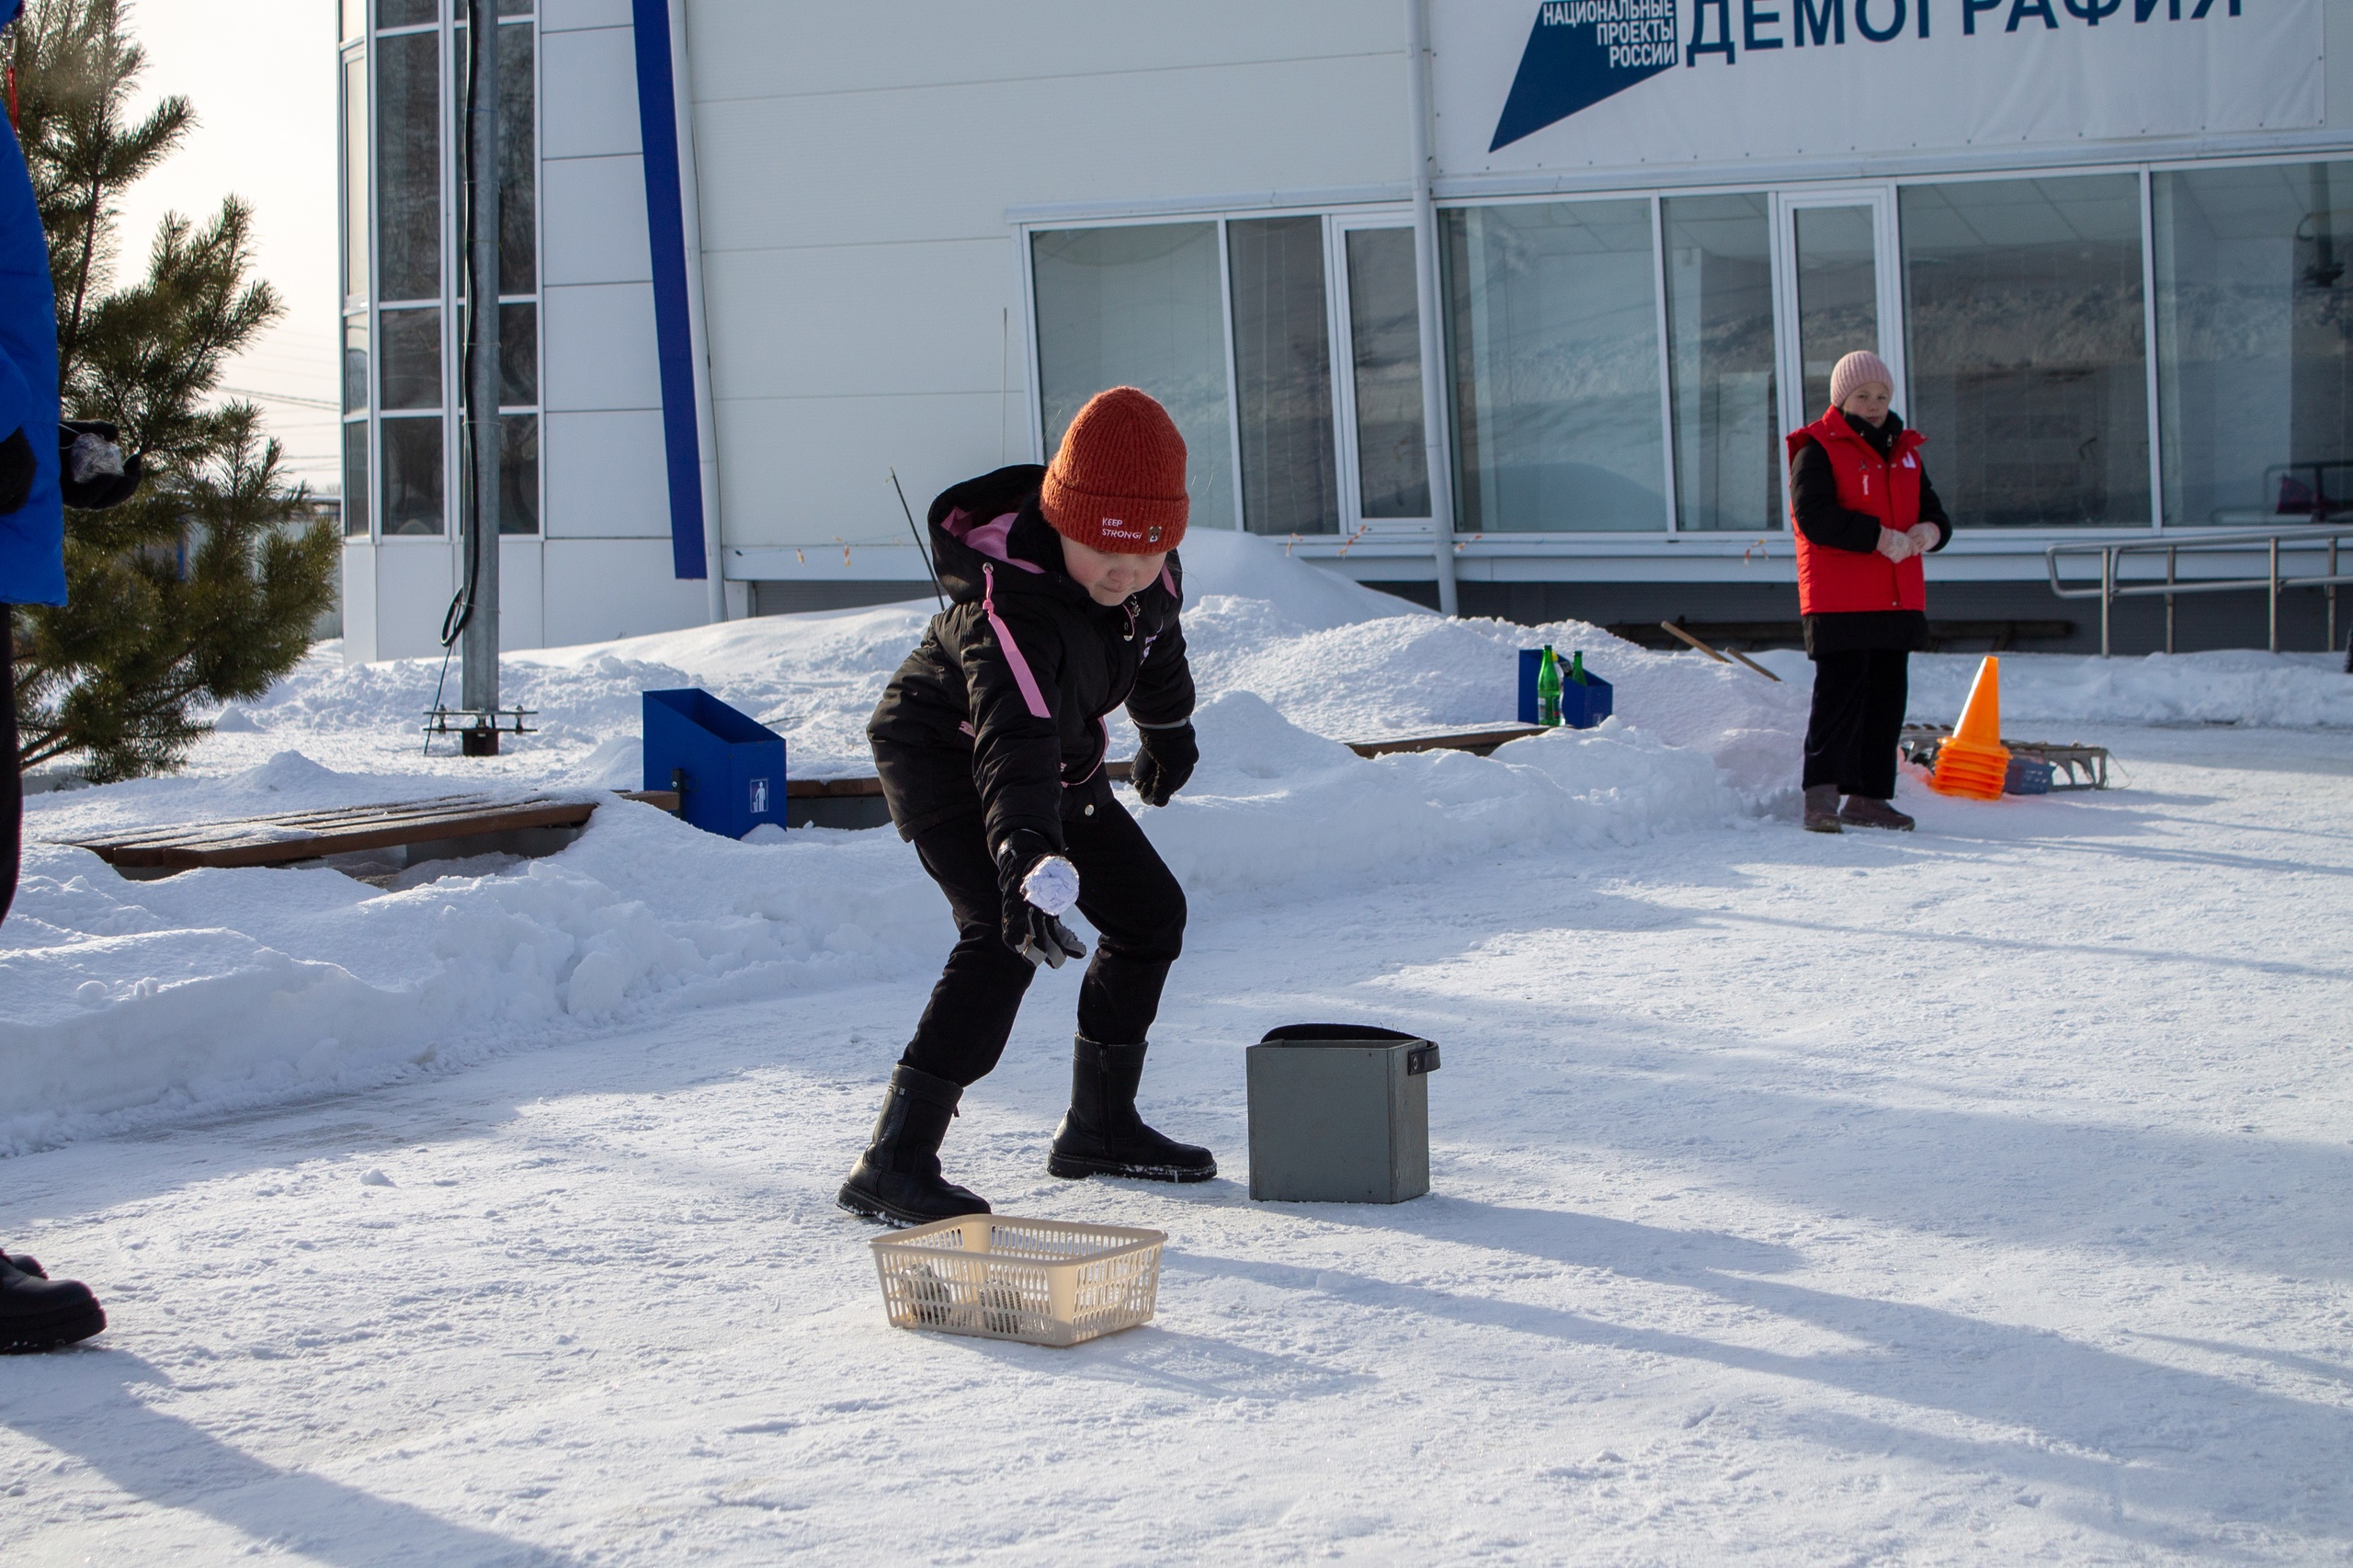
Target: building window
[(1140, 307), (417, 298), (2254, 316), (413, 476), (408, 166), (2024, 334), (1553, 334), (1282, 372), (354, 479), (1728, 455), (355, 177), (1385, 374)]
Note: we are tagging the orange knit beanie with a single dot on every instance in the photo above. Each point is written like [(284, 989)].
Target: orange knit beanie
[(1117, 484)]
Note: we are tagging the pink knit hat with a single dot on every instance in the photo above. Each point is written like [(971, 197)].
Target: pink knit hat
[(1857, 369)]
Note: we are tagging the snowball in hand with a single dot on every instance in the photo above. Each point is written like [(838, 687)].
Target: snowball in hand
[(1051, 885)]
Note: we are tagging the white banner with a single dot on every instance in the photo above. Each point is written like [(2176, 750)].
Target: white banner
[(1523, 86)]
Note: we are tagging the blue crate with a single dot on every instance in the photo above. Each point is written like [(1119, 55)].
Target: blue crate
[(1582, 707), (728, 766), (2028, 776)]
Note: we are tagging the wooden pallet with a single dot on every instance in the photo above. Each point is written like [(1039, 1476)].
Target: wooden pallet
[(308, 836)]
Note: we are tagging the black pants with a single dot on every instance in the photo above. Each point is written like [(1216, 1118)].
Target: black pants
[(1858, 720), (12, 787), (1125, 892)]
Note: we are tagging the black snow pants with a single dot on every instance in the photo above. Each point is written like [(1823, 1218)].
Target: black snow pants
[(1858, 721), (1126, 893), (12, 787)]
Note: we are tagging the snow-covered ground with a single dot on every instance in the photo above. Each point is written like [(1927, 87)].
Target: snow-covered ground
[(1979, 1193)]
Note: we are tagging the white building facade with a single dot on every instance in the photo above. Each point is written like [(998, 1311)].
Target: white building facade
[(1531, 309)]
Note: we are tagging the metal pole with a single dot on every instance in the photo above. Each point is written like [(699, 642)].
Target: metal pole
[(479, 644), (2106, 594), (1433, 442), (2332, 594), (2170, 601), (2275, 593)]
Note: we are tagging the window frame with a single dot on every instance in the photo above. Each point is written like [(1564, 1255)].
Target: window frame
[(1783, 196)]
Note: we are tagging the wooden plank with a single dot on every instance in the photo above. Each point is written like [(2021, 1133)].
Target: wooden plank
[(349, 840), (1479, 743)]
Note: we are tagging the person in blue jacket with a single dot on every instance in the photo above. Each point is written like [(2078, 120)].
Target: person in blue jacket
[(45, 464)]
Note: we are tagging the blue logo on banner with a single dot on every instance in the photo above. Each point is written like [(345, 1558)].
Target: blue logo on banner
[(1580, 52)]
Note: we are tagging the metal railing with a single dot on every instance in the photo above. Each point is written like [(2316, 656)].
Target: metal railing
[(2321, 538)]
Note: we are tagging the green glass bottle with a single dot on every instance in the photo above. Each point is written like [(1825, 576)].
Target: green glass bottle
[(1576, 669), (1548, 688)]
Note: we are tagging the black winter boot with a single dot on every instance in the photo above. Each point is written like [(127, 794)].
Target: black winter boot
[(1102, 1135), (897, 1180), (41, 1313)]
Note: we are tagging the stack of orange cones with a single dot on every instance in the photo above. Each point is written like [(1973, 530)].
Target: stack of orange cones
[(1974, 763)]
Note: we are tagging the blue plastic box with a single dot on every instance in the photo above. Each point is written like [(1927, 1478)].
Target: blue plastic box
[(2028, 776), (728, 766), (1582, 707)]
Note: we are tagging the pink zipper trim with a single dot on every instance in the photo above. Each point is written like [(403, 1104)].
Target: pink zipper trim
[(1021, 675)]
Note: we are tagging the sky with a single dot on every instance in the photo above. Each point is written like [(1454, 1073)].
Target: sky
[(261, 76)]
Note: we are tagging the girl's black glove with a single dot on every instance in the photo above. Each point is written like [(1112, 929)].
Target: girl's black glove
[(93, 470), (1164, 759), (1037, 884)]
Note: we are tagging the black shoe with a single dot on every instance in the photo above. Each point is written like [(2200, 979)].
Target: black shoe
[(41, 1313), (1102, 1134), (897, 1180), (25, 1262)]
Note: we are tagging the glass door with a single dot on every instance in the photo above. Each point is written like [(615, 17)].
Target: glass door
[(1839, 291), (1384, 469)]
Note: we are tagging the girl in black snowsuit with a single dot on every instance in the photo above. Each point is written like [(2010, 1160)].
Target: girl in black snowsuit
[(991, 745)]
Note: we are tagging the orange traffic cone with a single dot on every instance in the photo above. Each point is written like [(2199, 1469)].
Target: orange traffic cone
[(1974, 762)]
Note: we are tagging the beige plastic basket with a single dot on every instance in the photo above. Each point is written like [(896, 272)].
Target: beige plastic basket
[(1041, 1281)]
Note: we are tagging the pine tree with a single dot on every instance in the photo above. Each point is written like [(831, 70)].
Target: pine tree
[(202, 588)]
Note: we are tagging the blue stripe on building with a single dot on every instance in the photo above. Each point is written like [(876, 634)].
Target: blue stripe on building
[(657, 114)]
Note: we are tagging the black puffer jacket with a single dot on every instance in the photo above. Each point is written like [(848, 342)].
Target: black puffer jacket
[(1000, 709)]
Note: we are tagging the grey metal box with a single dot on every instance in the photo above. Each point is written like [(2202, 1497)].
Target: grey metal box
[(1340, 1113)]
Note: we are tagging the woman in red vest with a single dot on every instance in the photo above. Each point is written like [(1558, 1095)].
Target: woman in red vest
[(1864, 515)]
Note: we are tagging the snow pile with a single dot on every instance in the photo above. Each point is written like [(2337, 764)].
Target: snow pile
[(215, 989), (2228, 687), (1272, 803)]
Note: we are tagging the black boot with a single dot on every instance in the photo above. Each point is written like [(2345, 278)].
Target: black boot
[(897, 1181), (39, 1313), (1102, 1134)]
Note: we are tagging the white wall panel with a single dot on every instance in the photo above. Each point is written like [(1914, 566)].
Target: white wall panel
[(520, 620), (946, 162), (588, 88), (358, 603), (414, 581), (2336, 62), (859, 319), (599, 589), (748, 49), (835, 455), (563, 15), (597, 348), (607, 476), (592, 220)]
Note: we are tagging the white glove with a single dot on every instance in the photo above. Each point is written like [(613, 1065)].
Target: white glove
[(1897, 546), (1923, 537)]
